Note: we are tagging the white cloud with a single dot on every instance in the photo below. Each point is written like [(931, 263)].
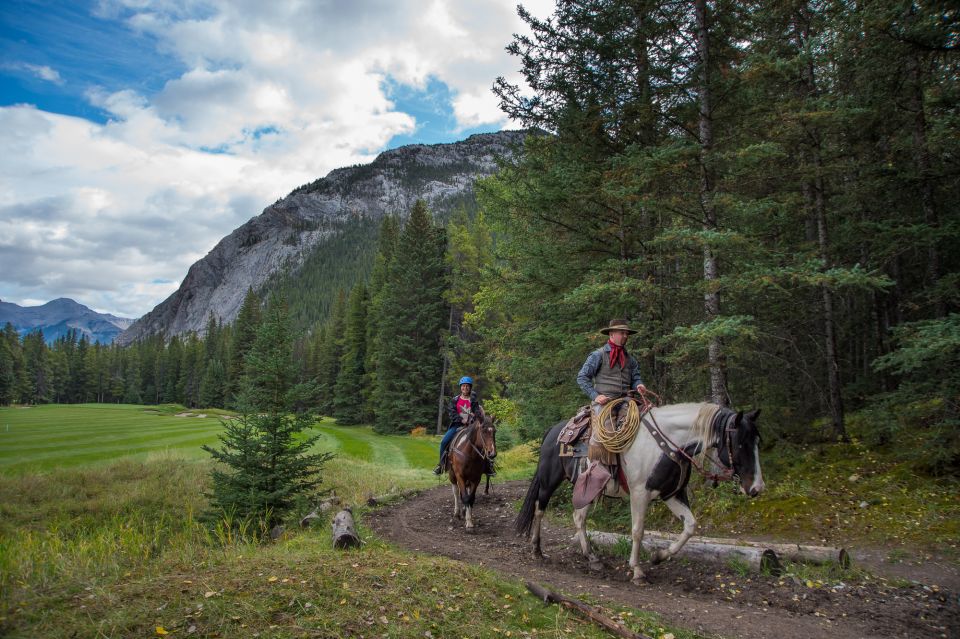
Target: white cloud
[(44, 73), (274, 95)]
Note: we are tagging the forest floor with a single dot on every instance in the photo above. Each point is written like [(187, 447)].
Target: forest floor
[(915, 597)]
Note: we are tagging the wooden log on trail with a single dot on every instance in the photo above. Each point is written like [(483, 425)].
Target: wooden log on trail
[(590, 612), (757, 559), (344, 533), (798, 553)]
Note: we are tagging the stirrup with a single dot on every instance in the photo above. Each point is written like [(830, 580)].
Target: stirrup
[(438, 470)]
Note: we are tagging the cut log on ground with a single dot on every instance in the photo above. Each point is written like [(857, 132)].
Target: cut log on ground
[(344, 533), (590, 612), (798, 553), (322, 507), (757, 559)]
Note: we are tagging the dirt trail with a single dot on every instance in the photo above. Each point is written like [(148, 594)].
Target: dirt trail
[(711, 599)]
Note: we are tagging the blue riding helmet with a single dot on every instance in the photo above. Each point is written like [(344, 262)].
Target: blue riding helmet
[(465, 380)]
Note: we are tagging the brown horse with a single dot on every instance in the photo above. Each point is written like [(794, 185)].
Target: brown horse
[(473, 448)]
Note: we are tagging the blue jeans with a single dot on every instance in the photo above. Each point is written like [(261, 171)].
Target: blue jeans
[(447, 438)]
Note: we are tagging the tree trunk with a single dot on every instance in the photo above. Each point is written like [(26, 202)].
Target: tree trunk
[(922, 159), (711, 268), (814, 191), (794, 552)]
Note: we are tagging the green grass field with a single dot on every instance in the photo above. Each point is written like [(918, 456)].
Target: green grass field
[(100, 537), (60, 436)]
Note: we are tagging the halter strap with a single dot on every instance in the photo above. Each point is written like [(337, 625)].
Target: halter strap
[(674, 452)]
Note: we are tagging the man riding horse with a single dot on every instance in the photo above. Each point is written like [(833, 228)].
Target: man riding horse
[(460, 408), (610, 372)]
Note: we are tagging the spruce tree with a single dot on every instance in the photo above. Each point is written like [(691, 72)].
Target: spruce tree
[(265, 463), (243, 335), (414, 316), (328, 357), (348, 404)]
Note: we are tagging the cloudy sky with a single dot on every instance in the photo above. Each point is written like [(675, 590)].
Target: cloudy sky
[(134, 134)]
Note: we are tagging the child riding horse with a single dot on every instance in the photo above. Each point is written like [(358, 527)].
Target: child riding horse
[(471, 454)]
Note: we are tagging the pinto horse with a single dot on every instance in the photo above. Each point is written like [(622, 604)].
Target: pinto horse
[(473, 448), (650, 473)]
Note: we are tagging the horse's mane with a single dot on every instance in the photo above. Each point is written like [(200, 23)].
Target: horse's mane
[(704, 428)]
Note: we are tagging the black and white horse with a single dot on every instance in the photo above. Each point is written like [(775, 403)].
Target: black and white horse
[(650, 473)]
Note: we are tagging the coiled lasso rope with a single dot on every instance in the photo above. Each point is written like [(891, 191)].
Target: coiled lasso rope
[(617, 441)]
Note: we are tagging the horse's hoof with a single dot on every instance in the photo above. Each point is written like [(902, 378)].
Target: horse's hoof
[(596, 565), (658, 557), (642, 580), (470, 529)]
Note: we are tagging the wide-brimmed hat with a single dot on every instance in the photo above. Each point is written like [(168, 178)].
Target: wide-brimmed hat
[(618, 325)]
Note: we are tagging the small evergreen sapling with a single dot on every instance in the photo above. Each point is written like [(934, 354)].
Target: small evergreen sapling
[(265, 462)]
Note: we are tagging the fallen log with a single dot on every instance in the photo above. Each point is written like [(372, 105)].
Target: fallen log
[(590, 612), (757, 559), (344, 533), (797, 553), (316, 513)]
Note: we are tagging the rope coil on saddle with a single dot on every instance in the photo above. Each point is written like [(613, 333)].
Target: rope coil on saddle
[(614, 440)]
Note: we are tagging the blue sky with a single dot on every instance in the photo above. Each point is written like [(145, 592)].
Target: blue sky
[(135, 134)]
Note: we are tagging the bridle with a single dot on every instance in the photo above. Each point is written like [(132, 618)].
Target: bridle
[(483, 443), (727, 472)]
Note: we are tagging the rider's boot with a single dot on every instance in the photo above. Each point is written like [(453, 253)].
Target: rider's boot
[(443, 462)]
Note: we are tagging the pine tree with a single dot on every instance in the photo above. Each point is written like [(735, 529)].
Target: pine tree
[(265, 461), (328, 357), (414, 316), (386, 247), (348, 405), (243, 335)]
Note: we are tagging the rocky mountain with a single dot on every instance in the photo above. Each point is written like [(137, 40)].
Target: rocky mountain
[(314, 217), (59, 316)]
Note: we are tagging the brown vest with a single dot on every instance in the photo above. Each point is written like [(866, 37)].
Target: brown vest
[(612, 382)]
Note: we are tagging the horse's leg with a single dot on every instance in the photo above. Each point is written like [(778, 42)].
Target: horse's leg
[(639, 500), (469, 497), (580, 523), (456, 502), (678, 506)]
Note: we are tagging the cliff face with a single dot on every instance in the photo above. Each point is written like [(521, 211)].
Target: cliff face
[(288, 231)]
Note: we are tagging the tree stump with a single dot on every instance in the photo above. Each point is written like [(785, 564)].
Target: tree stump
[(344, 533)]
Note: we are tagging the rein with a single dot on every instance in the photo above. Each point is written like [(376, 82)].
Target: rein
[(727, 474), (468, 437)]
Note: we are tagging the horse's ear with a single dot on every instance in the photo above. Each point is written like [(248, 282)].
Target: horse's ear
[(754, 414), (739, 418)]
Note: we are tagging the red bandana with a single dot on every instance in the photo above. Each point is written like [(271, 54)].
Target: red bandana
[(618, 356)]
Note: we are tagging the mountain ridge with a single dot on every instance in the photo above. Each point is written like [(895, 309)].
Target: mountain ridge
[(288, 231), (60, 315)]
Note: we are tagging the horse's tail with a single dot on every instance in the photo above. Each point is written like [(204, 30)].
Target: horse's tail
[(524, 521), (523, 524)]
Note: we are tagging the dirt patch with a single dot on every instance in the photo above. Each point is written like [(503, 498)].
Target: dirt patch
[(711, 599)]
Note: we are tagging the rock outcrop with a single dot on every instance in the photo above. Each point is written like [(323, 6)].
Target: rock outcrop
[(289, 230)]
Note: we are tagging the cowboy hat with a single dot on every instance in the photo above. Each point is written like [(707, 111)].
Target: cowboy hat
[(618, 325)]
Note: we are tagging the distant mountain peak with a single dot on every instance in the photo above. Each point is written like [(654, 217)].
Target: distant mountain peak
[(58, 316)]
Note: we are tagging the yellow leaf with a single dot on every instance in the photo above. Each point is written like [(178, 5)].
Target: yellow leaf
[(209, 594), (343, 601), (162, 631), (272, 579)]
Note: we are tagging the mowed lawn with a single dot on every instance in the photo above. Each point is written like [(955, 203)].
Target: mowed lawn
[(58, 436)]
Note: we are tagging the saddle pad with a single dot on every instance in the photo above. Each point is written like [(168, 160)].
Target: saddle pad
[(589, 484), (574, 428)]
